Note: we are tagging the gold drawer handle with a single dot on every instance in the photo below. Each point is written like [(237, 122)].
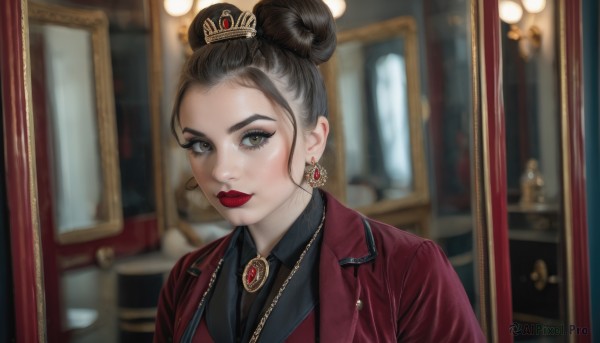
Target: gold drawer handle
[(540, 276)]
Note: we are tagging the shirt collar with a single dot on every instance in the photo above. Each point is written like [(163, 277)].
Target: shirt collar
[(291, 245)]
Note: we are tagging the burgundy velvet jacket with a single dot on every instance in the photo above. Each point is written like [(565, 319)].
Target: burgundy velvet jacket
[(376, 284)]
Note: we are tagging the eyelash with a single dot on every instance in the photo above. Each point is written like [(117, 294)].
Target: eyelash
[(257, 133), (190, 146), (252, 133)]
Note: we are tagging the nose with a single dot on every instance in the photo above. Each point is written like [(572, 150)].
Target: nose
[(226, 167)]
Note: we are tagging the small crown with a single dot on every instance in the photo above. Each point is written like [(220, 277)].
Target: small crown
[(244, 27)]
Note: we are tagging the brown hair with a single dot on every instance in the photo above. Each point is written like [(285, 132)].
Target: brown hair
[(293, 37)]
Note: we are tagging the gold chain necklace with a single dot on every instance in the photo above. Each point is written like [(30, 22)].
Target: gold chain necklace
[(267, 313)]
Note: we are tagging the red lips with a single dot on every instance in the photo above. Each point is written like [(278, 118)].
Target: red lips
[(233, 198)]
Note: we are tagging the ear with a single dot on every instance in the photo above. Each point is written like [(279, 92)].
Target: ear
[(316, 140)]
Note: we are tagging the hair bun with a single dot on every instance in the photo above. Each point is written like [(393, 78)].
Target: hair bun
[(196, 30), (305, 27)]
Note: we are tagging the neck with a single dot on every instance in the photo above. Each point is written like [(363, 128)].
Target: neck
[(269, 231)]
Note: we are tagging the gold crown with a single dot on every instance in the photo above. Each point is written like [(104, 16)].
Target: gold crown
[(244, 27)]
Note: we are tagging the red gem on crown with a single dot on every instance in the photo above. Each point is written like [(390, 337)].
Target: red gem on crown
[(229, 28)]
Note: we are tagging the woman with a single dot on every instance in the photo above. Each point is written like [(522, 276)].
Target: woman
[(299, 267)]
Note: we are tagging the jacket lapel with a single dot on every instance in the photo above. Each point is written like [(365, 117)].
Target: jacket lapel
[(347, 243), (338, 293), (198, 277)]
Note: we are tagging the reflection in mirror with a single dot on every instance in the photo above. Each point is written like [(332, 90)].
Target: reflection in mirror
[(378, 161), (71, 77), (69, 73), (533, 157), (426, 50), (377, 82)]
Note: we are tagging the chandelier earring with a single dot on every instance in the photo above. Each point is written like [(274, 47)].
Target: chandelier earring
[(315, 174)]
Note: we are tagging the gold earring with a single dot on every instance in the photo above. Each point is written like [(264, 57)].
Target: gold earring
[(315, 174)]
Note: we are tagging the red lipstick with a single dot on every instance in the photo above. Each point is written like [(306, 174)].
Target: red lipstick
[(233, 198)]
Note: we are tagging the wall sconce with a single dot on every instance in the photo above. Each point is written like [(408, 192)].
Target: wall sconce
[(337, 7), (511, 12), (189, 8), (178, 8)]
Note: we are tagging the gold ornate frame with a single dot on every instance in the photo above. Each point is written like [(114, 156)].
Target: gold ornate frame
[(96, 23), (404, 27)]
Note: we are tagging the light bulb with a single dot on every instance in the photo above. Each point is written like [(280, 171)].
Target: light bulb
[(510, 11), (534, 6), (337, 7), (201, 4), (178, 8)]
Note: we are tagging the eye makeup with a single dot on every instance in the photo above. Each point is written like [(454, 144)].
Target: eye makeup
[(197, 146), (251, 140), (255, 139)]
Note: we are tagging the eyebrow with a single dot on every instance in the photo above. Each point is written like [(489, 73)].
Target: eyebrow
[(235, 127), (247, 121)]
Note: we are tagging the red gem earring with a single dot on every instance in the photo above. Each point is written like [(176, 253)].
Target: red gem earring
[(315, 174)]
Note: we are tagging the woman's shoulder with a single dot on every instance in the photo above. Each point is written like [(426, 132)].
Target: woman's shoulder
[(204, 255), (406, 251), (396, 236), (351, 236), (383, 234)]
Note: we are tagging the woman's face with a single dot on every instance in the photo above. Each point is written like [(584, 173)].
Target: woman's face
[(239, 143)]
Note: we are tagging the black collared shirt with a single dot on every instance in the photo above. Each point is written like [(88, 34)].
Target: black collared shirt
[(232, 313)]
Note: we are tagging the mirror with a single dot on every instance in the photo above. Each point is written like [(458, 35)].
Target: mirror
[(378, 92), (71, 72), (537, 222), (438, 42)]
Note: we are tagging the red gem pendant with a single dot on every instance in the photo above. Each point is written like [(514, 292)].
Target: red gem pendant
[(317, 174), (251, 274), (226, 23), (255, 274)]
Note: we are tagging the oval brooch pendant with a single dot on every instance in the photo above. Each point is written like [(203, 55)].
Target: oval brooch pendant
[(255, 274)]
